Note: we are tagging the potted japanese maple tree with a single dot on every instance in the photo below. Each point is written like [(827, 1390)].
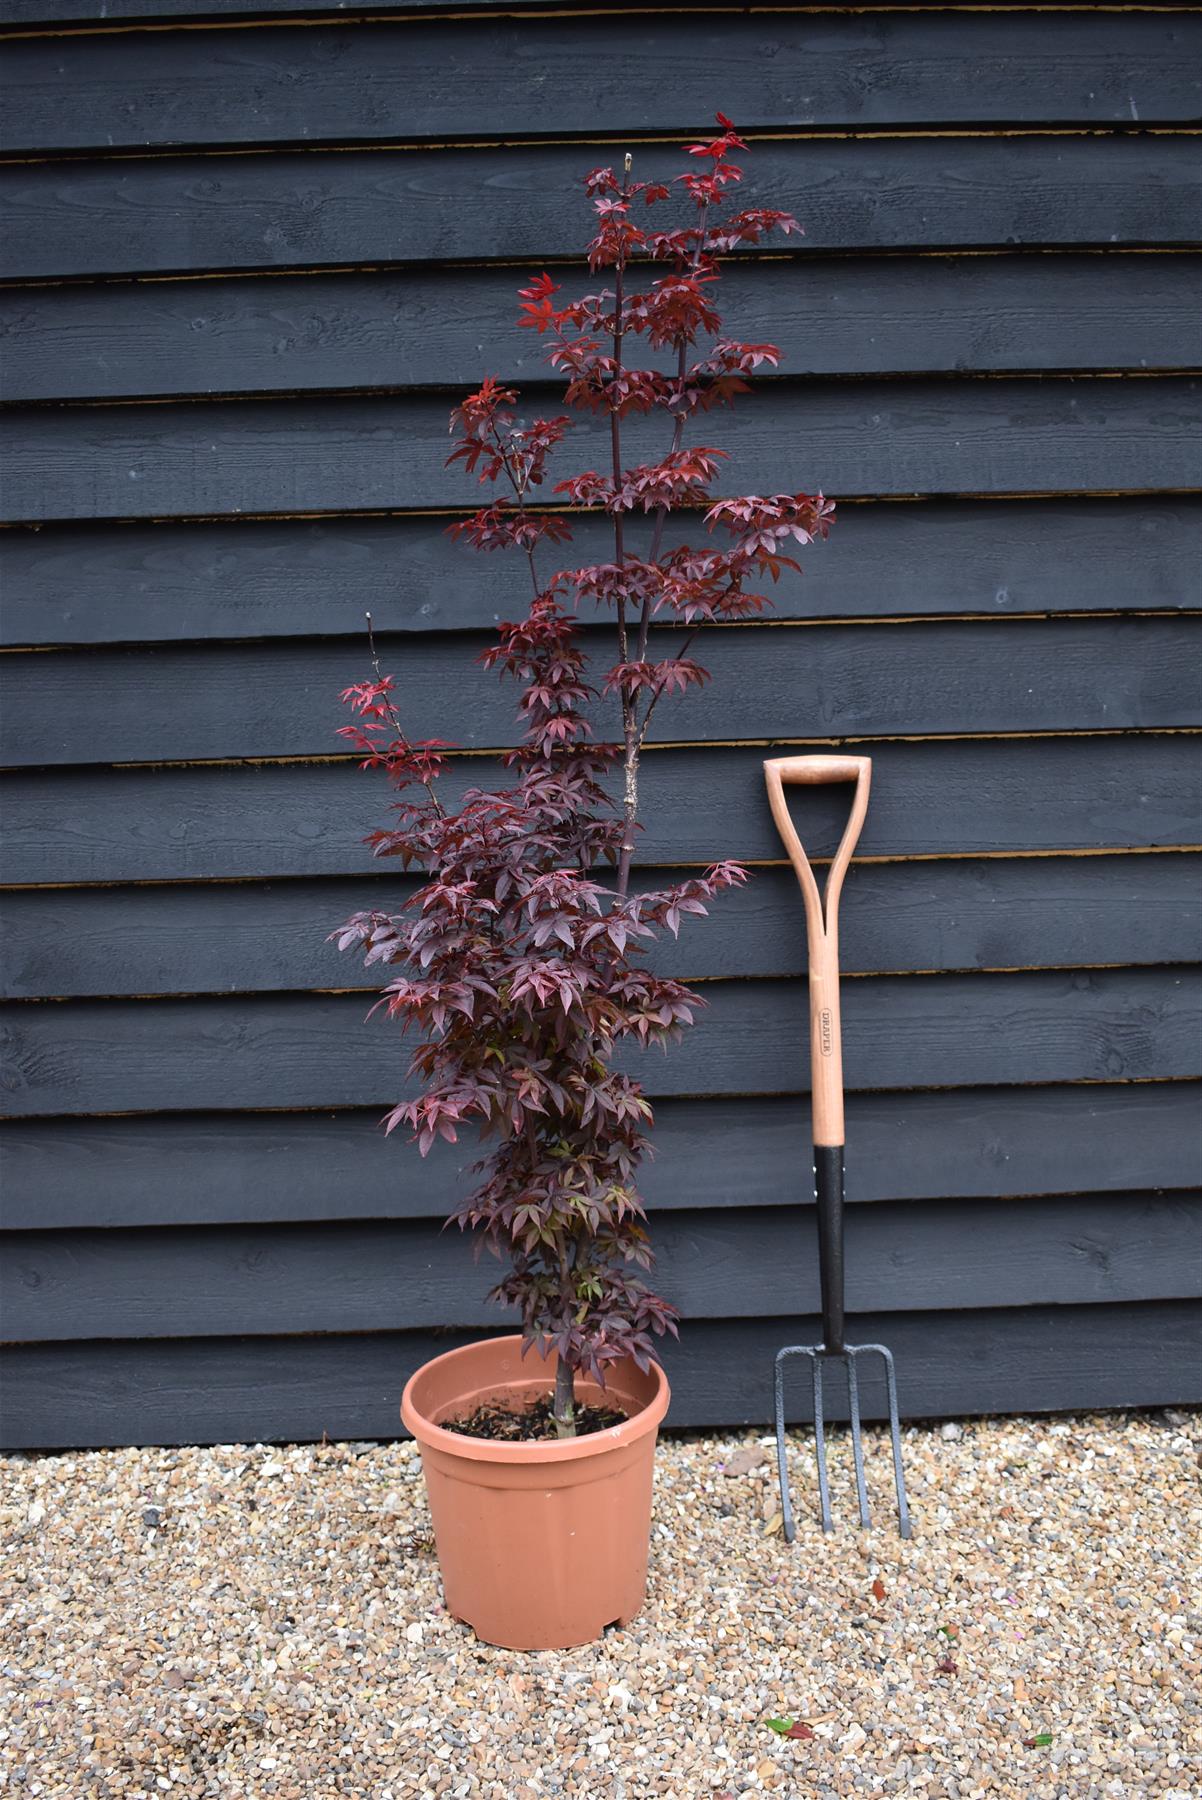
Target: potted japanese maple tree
[(521, 971)]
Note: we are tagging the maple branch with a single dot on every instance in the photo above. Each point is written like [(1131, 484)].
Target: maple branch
[(394, 716), (615, 423), (651, 704), (520, 495), (633, 752), (630, 759), (657, 535)]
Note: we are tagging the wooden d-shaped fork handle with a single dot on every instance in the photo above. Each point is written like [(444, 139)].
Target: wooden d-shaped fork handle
[(822, 922)]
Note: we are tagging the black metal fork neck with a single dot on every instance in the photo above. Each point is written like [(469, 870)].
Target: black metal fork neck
[(828, 1188)]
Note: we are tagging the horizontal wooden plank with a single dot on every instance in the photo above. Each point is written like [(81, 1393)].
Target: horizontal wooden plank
[(752, 1262), (267, 1168), (894, 917), (275, 1390), (473, 78), (872, 438), (1001, 796), (927, 678), (79, 584), (306, 210), (303, 1050), (96, 15), (386, 328)]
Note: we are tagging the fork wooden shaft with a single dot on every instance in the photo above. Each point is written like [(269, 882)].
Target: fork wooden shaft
[(822, 922)]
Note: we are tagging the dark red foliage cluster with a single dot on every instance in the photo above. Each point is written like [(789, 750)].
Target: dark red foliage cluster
[(521, 976)]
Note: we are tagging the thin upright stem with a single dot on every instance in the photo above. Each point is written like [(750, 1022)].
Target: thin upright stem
[(615, 428), (630, 756), (657, 536), (520, 496), (395, 718), (564, 1405), (636, 739)]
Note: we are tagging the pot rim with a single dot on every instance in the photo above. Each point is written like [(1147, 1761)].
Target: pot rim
[(594, 1443)]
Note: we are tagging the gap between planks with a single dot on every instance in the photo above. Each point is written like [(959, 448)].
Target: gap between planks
[(352, 758), (816, 623), (387, 1101), (92, 521), (747, 862), (459, 755), (793, 379), (739, 259), (747, 979), (507, 10), (99, 154)]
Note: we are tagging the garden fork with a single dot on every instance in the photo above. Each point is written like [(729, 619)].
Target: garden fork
[(826, 1087)]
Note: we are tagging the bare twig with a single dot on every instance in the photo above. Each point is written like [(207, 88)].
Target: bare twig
[(394, 716)]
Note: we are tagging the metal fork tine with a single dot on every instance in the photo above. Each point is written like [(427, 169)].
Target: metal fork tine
[(899, 1479), (817, 1356), (857, 1447), (820, 1445), (782, 1467)]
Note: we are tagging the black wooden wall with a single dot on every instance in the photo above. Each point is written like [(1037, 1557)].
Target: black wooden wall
[(247, 266)]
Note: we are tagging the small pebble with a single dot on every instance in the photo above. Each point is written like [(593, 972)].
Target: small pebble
[(293, 1644)]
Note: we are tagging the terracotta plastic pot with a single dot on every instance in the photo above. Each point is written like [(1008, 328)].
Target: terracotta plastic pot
[(541, 1545)]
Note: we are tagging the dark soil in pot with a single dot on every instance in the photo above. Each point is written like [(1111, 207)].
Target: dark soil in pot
[(531, 1423)]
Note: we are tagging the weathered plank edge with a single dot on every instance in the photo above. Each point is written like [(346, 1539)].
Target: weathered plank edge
[(1022, 796), (301, 1389), (158, 582), (958, 914), (830, 316), (867, 679), (745, 1262), (294, 1051), (247, 1168), (296, 94)]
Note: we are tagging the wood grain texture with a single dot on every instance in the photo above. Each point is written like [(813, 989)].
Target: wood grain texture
[(1001, 796), (267, 1168), (292, 1390), (97, 15), (309, 210), (251, 937), (421, 327), (746, 1263), (315, 1050), (145, 583), (870, 438), (281, 699), (473, 78)]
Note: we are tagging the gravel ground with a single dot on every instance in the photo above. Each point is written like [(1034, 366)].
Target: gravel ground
[(252, 1622)]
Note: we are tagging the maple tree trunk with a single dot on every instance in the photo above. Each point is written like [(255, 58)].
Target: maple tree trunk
[(630, 808), (565, 1401)]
